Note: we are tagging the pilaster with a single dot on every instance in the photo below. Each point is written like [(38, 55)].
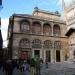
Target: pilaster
[(42, 28), (52, 27)]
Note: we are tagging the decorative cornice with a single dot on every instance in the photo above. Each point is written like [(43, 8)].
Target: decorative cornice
[(38, 17), (47, 12)]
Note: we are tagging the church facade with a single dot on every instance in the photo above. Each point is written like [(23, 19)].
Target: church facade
[(41, 34)]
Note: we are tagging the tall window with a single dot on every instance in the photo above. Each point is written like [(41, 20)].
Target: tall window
[(74, 54), (47, 29), (47, 44), (56, 30), (48, 56), (36, 43), (36, 28), (57, 55), (57, 45), (25, 27), (24, 43)]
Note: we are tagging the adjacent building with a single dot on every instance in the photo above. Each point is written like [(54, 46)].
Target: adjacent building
[(70, 14), (70, 19), (71, 44), (1, 42)]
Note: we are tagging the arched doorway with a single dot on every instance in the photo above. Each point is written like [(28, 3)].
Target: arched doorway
[(25, 49), (48, 47), (58, 46), (36, 45)]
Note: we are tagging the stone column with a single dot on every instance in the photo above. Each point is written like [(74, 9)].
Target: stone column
[(44, 55), (52, 56), (42, 52), (41, 28), (71, 54), (53, 53), (61, 56), (32, 53), (52, 27), (30, 26)]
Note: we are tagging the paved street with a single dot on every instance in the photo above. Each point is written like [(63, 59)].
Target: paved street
[(53, 69), (15, 72), (59, 69)]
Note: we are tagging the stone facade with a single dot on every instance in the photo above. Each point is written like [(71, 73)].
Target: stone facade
[(41, 34), (71, 44), (70, 14), (70, 21)]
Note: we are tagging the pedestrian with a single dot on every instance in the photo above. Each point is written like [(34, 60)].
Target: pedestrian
[(22, 65), (32, 65), (25, 66), (37, 65), (46, 63), (27, 72), (0, 64), (3, 64), (8, 67), (17, 64)]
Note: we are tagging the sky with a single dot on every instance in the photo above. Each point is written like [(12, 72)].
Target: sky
[(25, 7)]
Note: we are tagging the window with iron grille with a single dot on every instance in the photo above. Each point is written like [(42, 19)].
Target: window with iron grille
[(36, 43), (48, 44), (24, 43), (47, 29), (25, 27), (56, 30), (57, 45), (36, 28)]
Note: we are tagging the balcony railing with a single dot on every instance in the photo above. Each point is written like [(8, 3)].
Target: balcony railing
[(47, 33)]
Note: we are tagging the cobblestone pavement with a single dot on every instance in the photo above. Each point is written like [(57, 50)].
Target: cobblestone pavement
[(53, 69), (59, 69), (15, 72)]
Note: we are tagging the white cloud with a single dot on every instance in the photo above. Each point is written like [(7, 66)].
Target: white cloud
[(4, 28)]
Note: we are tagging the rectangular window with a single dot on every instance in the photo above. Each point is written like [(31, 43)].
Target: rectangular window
[(74, 54), (48, 56), (57, 56)]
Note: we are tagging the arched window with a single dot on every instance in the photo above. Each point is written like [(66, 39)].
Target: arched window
[(36, 28), (47, 44), (36, 43), (25, 27), (56, 30), (47, 29), (57, 45), (24, 43)]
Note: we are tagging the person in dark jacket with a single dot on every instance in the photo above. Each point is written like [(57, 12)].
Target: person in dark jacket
[(8, 67), (32, 64)]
